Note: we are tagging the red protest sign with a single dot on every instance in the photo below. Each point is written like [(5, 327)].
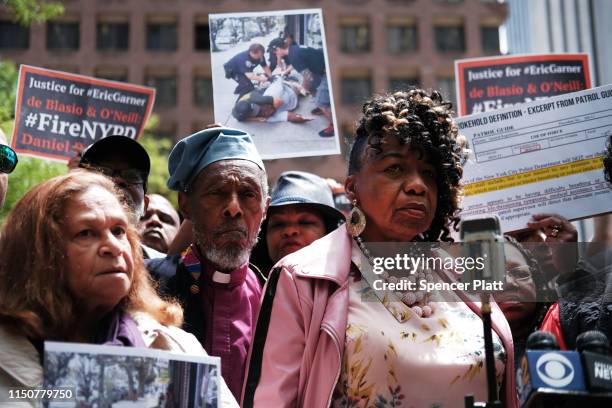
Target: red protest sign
[(486, 84), (57, 112)]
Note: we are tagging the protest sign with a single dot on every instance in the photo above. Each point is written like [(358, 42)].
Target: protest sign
[(486, 84), (57, 112), (94, 375), (271, 78), (539, 157)]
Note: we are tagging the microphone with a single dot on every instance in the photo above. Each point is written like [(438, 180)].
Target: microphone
[(546, 375), (594, 348), (542, 340)]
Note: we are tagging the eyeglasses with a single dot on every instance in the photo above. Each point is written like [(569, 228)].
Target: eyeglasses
[(130, 176), (8, 159)]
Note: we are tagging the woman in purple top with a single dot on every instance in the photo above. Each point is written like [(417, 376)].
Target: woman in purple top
[(71, 270)]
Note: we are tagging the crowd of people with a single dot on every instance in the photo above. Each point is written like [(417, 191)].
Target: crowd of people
[(278, 284)]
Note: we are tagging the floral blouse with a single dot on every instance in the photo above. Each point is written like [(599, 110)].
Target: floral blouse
[(394, 358)]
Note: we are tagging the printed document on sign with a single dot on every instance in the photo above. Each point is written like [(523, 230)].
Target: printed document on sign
[(539, 157)]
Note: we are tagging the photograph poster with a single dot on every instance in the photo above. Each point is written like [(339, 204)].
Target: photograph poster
[(122, 377), (271, 78)]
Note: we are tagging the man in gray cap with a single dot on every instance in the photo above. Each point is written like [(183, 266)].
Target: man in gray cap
[(127, 163), (223, 191)]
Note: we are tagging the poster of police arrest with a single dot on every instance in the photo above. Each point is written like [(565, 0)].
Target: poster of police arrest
[(58, 113), (271, 78)]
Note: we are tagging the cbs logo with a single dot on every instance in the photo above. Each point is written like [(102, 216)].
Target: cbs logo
[(555, 370)]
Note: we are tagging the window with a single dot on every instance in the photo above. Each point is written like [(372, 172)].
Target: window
[(201, 39), (113, 73), (450, 38), (354, 35), (14, 36), (162, 36), (73, 69), (356, 90), (446, 86), (165, 86), (402, 84), (113, 36), (402, 36), (202, 91), (63, 36), (489, 38)]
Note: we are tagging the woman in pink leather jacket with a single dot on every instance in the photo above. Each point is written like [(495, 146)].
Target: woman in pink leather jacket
[(325, 338)]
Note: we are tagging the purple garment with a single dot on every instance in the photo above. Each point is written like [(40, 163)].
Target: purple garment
[(121, 330), (231, 312)]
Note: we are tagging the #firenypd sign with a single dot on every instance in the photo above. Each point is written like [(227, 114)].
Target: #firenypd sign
[(487, 84), (58, 112)]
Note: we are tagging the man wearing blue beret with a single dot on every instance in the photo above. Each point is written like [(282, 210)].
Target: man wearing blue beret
[(223, 191)]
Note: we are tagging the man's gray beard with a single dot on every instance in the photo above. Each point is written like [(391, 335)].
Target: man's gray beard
[(228, 258)]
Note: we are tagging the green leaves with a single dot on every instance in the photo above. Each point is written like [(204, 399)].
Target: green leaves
[(34, 11)]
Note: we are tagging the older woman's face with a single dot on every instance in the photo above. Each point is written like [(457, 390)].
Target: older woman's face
[(100, 264), (397, 191), (292, 227), (517, 301)]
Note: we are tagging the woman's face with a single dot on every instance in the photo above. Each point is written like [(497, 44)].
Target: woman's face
[(98, 253), (397, 191), (292, 227), (517, 301)]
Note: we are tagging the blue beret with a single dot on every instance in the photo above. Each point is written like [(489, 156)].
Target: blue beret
[(193, 153)]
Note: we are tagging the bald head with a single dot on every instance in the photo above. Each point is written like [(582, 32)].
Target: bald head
[(3, 176)]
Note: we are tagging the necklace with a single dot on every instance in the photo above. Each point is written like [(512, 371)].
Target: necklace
[(416, 300)]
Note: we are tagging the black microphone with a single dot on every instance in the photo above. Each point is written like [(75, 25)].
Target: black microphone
[(547, 376), (594, 348), (593, 341), (542, 340)]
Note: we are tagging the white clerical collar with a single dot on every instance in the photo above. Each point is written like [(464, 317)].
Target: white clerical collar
[(221, 277)]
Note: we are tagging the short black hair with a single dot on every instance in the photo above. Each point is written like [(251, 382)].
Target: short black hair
[(277, 43), (242, 110), (256, 47)]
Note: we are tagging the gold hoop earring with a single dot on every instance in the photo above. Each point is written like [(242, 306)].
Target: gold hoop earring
[(356, 221)]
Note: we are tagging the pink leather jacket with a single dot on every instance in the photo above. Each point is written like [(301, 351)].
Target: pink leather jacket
[(301, 329)]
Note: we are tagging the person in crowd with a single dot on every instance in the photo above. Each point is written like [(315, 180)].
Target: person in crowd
[(240, 68), (160, 223), (71, 271), (546, 236), (223, 192), (128, 163), (313, 60), (525, 298), (585, 294), (301, 211), (318, 343), (8, 161), (272, 104)]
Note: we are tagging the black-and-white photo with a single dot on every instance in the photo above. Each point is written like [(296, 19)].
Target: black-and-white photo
[(271, 78)]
